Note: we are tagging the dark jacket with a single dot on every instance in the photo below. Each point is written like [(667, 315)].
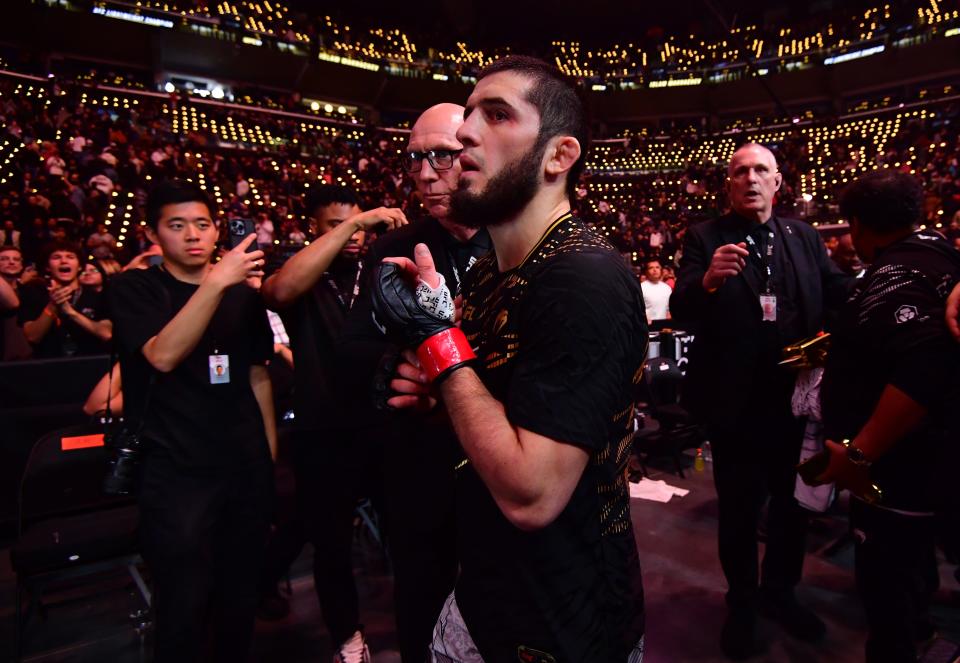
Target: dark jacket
[(728, 353)]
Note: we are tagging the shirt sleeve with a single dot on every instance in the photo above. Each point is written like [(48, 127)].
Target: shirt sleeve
[(582, 339), (138, 308), (902, 314)]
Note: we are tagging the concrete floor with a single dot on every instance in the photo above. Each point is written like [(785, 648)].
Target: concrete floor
[(682, 579)]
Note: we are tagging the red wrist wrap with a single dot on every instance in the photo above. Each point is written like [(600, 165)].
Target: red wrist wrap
[(443, 350)]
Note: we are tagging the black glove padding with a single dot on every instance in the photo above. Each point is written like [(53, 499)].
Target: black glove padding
[(396, 308)]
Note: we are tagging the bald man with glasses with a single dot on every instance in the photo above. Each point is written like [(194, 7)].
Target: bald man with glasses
[(420, 449)]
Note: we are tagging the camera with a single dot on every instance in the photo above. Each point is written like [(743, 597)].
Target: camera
[(123, 463)]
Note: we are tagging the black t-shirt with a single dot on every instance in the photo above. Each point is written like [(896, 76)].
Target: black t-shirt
[(892, 331), (561, 339), (195, 422), (65, 338), (314, 323)]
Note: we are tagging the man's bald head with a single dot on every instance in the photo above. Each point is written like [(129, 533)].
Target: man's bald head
[(442, 119), (753, 179), (436, 130)]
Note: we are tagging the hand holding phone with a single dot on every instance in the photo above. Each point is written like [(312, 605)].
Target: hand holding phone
[(238, 230)]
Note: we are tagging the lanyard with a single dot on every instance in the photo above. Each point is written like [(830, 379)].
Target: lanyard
[(765, 260), (354, 292)]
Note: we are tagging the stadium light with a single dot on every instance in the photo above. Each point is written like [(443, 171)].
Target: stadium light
[(169, 88)]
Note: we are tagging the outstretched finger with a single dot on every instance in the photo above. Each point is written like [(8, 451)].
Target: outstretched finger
[(426, 268)]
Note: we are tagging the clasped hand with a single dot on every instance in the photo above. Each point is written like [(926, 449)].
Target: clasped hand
[(409, 383)]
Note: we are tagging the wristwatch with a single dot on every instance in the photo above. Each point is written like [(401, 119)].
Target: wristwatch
[(855, 455)]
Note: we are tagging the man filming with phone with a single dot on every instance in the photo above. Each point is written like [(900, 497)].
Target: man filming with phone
[(193, 343), (313, 292)]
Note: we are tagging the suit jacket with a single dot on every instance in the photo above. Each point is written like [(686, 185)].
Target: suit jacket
[(728, 349)]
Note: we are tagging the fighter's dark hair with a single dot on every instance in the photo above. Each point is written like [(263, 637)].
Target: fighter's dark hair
[(560, 104), (883, 200)]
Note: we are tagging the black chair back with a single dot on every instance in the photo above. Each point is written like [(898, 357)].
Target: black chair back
[(663, 378), (64, 475)]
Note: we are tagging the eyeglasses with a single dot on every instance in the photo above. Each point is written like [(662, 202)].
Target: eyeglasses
[(439, 159)]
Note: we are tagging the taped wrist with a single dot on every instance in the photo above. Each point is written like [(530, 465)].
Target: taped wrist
[(436, 301), (442, 353)]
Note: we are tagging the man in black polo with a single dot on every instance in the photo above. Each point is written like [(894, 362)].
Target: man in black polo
[(193, 342), (890, 391), (750, 283)]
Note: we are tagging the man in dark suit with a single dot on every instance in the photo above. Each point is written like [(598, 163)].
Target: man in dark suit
[(750, 283), (420, 449)]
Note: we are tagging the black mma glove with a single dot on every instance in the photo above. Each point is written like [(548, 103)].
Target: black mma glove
[(440, 346)]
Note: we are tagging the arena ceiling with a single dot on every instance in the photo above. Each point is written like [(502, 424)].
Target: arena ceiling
[(535, 22)]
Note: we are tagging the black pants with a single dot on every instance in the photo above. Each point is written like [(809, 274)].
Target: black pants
[(896, 572), (752, 462), (203, 535), (334, 470), (421, 531)]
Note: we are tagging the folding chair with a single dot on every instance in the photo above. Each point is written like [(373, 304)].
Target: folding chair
[(66, 527), (677, 431)]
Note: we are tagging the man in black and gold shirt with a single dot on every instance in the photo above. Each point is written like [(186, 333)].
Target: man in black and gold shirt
[(538, 385)]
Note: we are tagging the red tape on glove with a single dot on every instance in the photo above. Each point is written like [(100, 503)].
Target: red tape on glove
[(443, 350)]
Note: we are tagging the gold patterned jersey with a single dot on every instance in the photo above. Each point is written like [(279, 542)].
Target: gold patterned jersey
[(561, 341)]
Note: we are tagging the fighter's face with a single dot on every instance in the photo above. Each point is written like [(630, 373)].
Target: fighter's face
[(500, 127)]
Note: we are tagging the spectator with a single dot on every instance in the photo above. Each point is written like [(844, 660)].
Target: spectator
[(13, 343), (9, 235), (61, 318), (656, 293), (102, 243)]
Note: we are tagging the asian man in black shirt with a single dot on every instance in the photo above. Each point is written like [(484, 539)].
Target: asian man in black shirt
[(193, 341)]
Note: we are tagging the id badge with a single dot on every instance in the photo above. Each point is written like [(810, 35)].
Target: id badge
[(768, 303), (219, 369)]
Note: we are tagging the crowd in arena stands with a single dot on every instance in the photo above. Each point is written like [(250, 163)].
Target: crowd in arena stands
[(76, 164), (637, 59)]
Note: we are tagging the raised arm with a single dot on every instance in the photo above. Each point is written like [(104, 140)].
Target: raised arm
[(304, 269)]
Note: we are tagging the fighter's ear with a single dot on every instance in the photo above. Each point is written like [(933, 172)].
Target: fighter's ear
[(562, 153)]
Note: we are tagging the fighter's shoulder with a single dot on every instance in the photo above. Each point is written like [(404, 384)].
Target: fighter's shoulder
[(575, 238)]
